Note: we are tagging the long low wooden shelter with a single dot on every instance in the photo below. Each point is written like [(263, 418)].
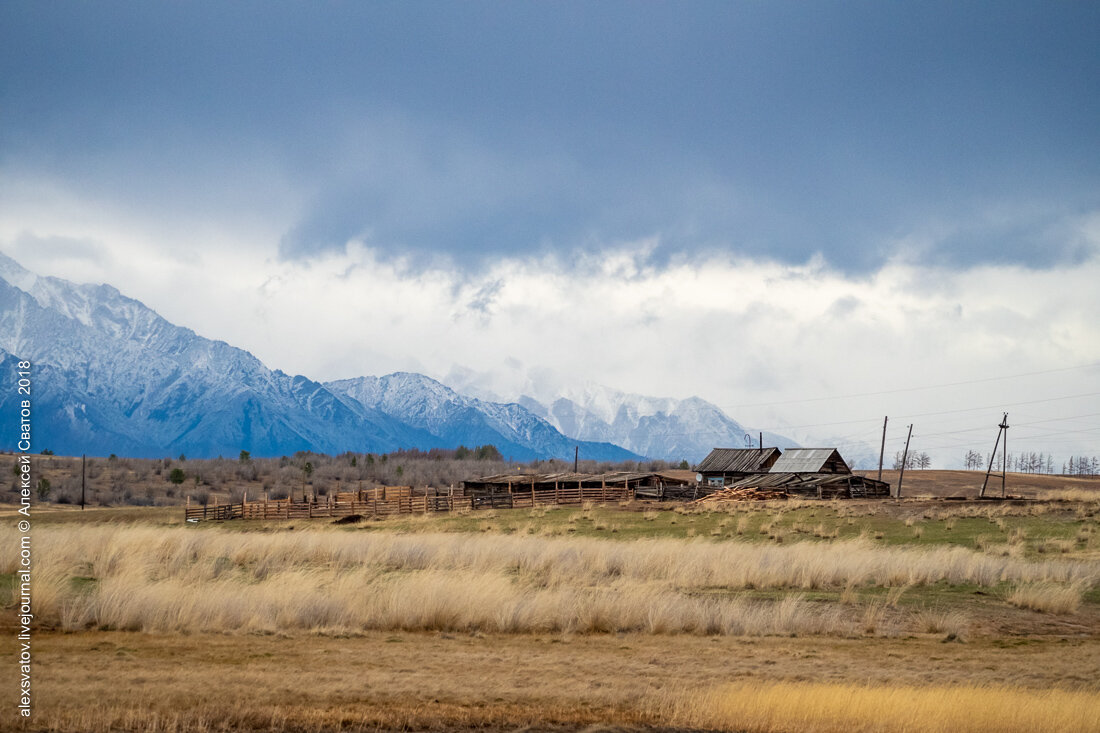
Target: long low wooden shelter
[(817, 485), (651, 484), (543, 481)]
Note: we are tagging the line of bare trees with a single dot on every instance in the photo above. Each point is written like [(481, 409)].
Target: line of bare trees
[(912, 461), (1032, 462), (171, 481)]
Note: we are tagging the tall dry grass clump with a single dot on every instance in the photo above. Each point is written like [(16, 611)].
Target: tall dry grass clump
[(1057, 598), (190, 579), (761, 707)]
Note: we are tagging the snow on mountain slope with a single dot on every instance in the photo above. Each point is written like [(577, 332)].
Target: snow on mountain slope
[(432, 406), (112, 376), (658, 427)]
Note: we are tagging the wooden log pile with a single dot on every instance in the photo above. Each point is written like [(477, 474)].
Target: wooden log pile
[(743, 494)]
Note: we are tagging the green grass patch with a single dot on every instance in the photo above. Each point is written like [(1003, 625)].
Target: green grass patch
[(83, 583), (7, 589)]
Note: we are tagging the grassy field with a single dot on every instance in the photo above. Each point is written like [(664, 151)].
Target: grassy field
[(784, 616)]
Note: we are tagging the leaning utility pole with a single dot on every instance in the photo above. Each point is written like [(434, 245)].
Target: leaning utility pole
[(576, 457), (992, 456), (882, 450), (904, 460)]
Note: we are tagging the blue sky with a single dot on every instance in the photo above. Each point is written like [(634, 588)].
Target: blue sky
[(429, 185)]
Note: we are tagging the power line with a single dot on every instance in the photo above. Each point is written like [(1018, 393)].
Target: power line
[(913, 389), (1024, 425)]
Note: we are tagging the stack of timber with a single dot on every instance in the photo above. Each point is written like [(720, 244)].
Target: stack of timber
[(742, 494)]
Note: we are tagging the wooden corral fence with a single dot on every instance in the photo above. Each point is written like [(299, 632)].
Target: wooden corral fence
[(390, 500)]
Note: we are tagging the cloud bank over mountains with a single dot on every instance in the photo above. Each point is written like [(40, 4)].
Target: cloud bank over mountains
[(810, 216), (779, 347)]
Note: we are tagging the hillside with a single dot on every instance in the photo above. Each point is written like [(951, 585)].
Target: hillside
[(969, 483)]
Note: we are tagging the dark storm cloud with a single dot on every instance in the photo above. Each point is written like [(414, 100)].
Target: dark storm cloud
[(475, 130)]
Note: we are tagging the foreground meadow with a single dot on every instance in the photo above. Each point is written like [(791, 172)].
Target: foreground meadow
[(799, 616)]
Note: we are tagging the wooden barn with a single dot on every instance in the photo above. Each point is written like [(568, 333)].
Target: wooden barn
[(808, 472), (723, 466)]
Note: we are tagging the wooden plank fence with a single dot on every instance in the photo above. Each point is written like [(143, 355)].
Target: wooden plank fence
[(387, 501)]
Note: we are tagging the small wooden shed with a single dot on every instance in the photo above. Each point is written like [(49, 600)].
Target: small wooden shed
[(723, 466)]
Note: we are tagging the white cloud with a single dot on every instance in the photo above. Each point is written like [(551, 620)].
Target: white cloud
[(764, 340)]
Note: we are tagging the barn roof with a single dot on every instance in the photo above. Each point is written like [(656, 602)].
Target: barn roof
[(738, 460), (565, 478), (810, 460)]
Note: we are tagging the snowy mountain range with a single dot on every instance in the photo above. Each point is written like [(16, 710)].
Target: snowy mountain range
[(425, 404), (112, 376), (658, 427)]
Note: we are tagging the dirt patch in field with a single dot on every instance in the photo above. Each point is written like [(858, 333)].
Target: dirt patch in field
[(97, 681)]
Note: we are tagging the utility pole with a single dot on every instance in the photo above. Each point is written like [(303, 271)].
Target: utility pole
[(83, 460), (993, 456), (576, 458), (882, 450), (761, 441), (904, 460)]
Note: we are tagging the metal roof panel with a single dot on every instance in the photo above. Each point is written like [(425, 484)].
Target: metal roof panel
[(806, 460)]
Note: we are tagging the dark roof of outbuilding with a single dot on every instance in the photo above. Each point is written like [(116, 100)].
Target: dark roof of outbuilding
[(738, 460)]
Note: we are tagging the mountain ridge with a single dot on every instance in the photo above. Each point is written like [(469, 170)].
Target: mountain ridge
[(659, 427), (111, 375)]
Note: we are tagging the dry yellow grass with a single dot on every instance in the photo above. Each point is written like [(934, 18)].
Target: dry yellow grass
[(189, 580), (1048, 597), (762, 707)]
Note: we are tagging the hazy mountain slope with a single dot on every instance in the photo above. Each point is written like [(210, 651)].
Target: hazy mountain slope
[(112, 376), (658, 427), (429, 405)]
